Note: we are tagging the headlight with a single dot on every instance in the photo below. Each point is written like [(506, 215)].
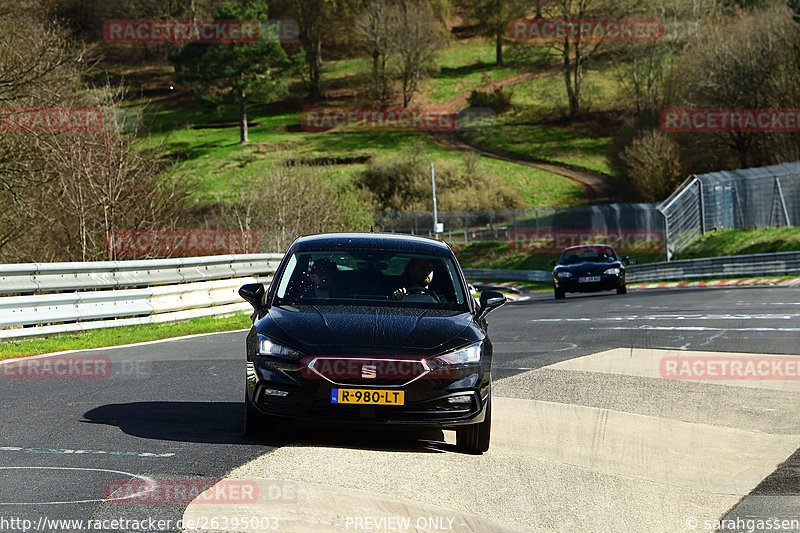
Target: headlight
[(267, 347), (564, 274), (470, 354), (612, 271)]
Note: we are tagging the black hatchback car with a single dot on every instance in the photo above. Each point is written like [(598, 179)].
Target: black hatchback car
[(370, 328), (589, 268)]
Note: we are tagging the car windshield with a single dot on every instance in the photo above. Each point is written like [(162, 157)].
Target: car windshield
[(588, 255), (382, 278)]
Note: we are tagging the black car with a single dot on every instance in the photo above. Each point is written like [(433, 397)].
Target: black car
[(589, 268), (370, 328)]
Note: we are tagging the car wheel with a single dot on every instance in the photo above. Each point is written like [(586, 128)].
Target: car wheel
[(622, 290), (254, 422), (560, 294), (474, 439)]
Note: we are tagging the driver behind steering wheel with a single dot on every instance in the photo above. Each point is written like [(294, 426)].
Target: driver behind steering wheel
[(416, 279)]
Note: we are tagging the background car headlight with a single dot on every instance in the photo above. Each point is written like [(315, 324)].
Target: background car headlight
[(564, 274), (470, 354), (612, 271), (268, 347)]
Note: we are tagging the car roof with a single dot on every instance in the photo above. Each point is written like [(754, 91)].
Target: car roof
[(587, 247), (370, 241)]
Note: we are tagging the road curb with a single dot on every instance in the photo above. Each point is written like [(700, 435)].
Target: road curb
[(748, 282)]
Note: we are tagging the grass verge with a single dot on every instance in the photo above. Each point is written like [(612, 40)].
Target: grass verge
[(743, 242), (100, 338)]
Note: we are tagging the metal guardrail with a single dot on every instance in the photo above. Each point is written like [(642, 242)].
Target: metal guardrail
[(145, 292), (122, 293), (777, 264), (50, 277), (508, 275)]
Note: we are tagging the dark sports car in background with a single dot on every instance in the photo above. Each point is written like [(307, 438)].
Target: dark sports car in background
[(370, 329), (589, 268)]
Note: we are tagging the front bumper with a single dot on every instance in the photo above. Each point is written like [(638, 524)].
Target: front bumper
[(458, 399), (606, 283)]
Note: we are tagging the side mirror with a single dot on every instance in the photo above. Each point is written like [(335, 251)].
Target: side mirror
[(553, 263), (628, 260), (489, 301), (254, 294)]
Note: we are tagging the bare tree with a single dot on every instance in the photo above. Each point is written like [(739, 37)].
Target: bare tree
[(40, 66), (646, 66), (417, 37), (748, 61), (491, 17), (373, 29), (291, 201), (575, 52), (104, 182), (314, 23)]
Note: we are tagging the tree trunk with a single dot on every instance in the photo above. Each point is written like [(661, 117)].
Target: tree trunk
[(499, 45), (314, 63), (243, 120), (577, 80), (568, 79)]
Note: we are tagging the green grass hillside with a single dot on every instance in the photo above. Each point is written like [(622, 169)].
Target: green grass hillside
[(204, 140), (743, 242)]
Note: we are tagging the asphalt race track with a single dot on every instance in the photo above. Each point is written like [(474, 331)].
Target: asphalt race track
[(587, 433)]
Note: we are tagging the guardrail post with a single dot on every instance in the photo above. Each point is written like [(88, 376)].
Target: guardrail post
[(702, 208)]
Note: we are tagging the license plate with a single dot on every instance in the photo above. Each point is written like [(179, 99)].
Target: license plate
[(368, 397), (589, 279)]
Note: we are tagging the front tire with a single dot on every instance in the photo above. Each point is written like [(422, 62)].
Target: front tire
[(474, 439), (560, 294), (622, 290)]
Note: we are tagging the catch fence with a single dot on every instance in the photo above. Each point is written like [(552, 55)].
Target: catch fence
[(751, 198), (499, 225)]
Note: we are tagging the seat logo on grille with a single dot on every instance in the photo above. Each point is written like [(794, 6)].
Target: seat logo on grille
[(369, 371)]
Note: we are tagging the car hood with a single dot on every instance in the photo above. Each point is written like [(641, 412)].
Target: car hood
[(350, 329)]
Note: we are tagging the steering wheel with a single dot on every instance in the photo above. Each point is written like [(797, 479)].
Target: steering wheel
[(423, 290)]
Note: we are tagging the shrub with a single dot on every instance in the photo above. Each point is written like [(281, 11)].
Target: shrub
[(499, 100), (404, 184), (291, 201), (652, 163)]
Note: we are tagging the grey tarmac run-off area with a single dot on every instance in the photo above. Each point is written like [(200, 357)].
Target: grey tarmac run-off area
[(587, 436)]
